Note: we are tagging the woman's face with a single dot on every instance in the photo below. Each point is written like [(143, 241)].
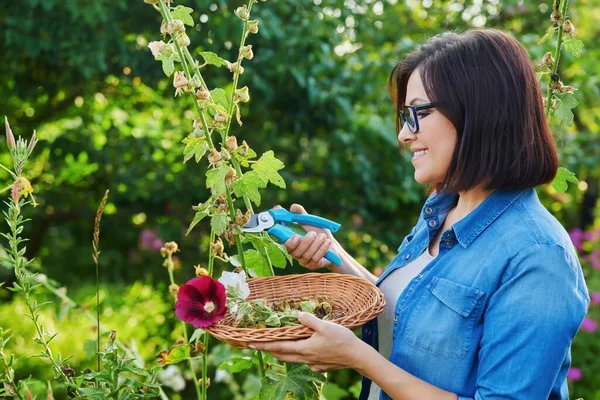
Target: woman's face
[(433, 145)]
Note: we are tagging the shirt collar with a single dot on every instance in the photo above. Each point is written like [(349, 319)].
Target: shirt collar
[(471, 226)]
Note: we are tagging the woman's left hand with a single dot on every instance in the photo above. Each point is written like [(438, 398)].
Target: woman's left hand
[(332, 346)]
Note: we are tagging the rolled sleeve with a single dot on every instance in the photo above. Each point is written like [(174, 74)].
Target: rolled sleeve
[(529, 324)]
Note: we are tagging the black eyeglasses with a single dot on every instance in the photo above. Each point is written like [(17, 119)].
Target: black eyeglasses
[(409, 116)]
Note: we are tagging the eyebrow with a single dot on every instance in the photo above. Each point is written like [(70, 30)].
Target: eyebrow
[(415, 99)]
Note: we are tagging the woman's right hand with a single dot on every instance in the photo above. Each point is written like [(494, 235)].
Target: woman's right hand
[(310, 250)]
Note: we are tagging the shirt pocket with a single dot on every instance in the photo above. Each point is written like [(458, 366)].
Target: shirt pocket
[(443, 319)]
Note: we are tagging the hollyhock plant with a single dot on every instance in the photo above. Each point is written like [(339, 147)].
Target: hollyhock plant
[(589, 325), (595, 298), (201, 302), (574, 374)]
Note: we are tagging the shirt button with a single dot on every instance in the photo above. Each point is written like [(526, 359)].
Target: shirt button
[(428, 210), (406, 257), (432, 223), (448, 243), (420, 276)]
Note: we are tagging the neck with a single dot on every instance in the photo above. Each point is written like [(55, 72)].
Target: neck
[(469, 201)]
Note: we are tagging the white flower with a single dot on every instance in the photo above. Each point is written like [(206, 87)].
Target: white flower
[(156, 47), (235, 284), (171, 377)]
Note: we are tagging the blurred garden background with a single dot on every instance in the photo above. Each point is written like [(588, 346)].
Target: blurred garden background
[(80, 73)]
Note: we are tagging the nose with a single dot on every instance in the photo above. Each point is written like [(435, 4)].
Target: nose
[(405, 136)]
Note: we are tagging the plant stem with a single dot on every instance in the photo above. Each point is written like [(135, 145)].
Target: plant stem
[(563, 11), (261, 364), (185, 335)]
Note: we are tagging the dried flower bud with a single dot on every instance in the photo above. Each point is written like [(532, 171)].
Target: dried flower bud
[(68, 371), (10, 138), (202, 94), (230, 237), (163, 252), (199, 347), (240, 218), (173, 289), (569, 29), (200, 271), (207, 382), (225, 155), (156, 48), (220, 118), (247, 52), (183, 40), (556, 17), (230, 176), (220, 201), (243, 149), (172, 247), (180, 82), (218, 247), (214, 158), (556, 85), (242, 13), (163, 28), (175, 26), (235, 67), (231, 143), (548, 60), (242, 95), (253, 26), (567, 89), (112, 336), (554, 104)]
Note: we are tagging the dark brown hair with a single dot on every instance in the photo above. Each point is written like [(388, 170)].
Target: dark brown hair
[(484, 82)]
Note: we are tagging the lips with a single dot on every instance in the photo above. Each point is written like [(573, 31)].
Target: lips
[(419, 153)]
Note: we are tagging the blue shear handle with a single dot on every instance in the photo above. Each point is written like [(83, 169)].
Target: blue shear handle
[(282, 215), (283, 234)]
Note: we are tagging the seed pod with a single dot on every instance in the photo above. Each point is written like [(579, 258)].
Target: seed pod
[(218, 247), (171, 247), (179, 80), (247, 52), (199, 347), (183, 40), (220, 118), (202, 94), (556, 85), (556, 17), (231, 176), (253, 26), (242, 95), (231, 143), (235, 67), (569, 29), (200, 271), (163, 28), (548, 60), (175, 26), (207, 382), (243, 150), (174, 289), (567, 89), (242, 13), (156, 47), (214, 158)]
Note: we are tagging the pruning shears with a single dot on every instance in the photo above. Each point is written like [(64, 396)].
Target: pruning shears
[(276, 223)]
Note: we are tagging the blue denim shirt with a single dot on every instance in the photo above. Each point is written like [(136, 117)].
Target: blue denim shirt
[(493, 316)]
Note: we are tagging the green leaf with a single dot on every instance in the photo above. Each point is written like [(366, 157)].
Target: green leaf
[(573, 46), (198, 333), (243, 159), (563, 111), (278, 254), (219, 96), (256, 263), (197, 218), (299, 380), (176, 355), (213, 59), (194, 147), (236, 364), (183, 13), (168, 66), (267, 167), (549, 32), (219, 223), (563, 176), (331, 391), (216, 177), (248, 185)]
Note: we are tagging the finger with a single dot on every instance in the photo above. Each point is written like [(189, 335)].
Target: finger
[(304, 244), (320, 367), (311, 321), (292, 243), (298, 209), (320, 253), (289, 347), (314, 247), (277, 207)]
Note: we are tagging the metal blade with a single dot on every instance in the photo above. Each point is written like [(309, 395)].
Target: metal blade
[(259, 222)]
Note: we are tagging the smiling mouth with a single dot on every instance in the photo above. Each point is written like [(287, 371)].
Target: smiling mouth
[(420, 154)]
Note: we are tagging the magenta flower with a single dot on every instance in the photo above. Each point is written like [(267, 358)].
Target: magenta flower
[(595, 259), (577, 238), (201, 302), (589, 325), (574, 374), (595, 297)]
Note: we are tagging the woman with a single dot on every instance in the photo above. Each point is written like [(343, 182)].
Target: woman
[(486, 292)]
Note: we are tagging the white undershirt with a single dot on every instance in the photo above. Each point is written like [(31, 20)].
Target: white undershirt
[(392, 287)]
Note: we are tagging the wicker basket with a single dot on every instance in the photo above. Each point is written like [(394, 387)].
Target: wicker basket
[(359, 300)]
